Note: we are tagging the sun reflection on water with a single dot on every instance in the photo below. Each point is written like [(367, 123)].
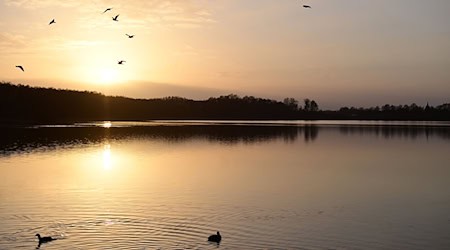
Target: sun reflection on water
[(106, 124), (107, 164)]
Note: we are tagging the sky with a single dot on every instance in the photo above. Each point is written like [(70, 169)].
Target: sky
[(340, 52)]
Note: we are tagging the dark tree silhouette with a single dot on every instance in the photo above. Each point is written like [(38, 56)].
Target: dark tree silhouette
[(314, 107), (310, 105), (291, 103), (307, 105), (25, 104)]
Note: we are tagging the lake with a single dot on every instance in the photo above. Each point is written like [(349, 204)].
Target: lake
[(263, 185)]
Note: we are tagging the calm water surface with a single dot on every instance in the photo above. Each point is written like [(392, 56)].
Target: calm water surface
[(283, 185)]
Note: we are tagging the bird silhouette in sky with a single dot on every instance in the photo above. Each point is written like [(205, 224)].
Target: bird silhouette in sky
[(52, 22), (20, 67), (306, 6), (115, 18), (108, 9), (121, 62), (129, 36)]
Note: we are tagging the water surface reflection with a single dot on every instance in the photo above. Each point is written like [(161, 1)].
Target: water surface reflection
[(263, 186), (21, 140)]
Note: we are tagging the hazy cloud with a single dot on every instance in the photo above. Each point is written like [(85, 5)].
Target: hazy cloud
[(184, 14), (33, 4), (18, 44), (233, 74), (7, 39), (80, 44), (187, 50), (176, 13), (11, 43)]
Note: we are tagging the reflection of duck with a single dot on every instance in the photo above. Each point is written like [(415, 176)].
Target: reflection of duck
[(215, 237), (44, 239)]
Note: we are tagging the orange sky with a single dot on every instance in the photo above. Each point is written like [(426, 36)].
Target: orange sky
[(340, 52)]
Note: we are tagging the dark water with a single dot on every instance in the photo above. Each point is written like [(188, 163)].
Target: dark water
[(267, 185)]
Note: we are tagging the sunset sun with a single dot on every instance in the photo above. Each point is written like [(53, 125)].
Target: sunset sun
[(107, 76)]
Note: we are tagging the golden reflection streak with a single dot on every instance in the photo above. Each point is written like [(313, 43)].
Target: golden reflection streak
[(106, 124), (107, 163)]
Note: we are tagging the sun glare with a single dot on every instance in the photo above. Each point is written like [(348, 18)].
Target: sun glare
[(107, 157), (108, 75), (106, 124)]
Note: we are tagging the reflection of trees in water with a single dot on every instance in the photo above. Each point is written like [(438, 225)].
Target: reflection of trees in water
[(20, 140), (311, 133), (388, 132), (24, 140)]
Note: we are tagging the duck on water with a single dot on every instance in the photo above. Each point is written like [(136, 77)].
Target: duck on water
[(215, 237), (44, 239)]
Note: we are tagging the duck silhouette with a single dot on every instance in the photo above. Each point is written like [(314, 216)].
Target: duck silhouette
[(116, 18), (121, 62), (306, 6), (44, 239), (20, 67), (129, 36), (215, 237), (108, 9), (52, 22)]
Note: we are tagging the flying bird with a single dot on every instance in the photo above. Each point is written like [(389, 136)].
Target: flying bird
[(129, 36), (121, 62), (20, 67), (115, 18), (108, 9), (306, 6), (52, 21)]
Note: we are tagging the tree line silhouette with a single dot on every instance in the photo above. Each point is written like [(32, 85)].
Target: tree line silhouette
[(399, 112), (25, 104)]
